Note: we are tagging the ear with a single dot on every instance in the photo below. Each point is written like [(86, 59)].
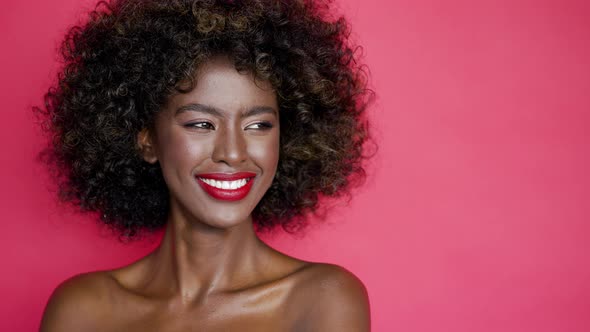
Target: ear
[(146, 144)]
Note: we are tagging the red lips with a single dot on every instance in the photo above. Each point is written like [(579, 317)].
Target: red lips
[(210, 182)]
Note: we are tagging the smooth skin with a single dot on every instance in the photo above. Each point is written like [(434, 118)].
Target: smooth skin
[(211, 272)]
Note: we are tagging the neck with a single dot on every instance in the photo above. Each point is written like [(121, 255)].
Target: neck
[(195, 259)]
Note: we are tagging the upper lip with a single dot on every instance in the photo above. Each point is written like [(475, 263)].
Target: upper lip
[(227, 176)]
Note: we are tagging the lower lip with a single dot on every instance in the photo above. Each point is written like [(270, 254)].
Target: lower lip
[(227, 194)]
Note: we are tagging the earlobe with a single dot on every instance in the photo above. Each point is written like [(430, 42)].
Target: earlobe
[(146, 146)]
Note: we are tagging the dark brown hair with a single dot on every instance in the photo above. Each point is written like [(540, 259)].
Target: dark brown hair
[(131, 55)]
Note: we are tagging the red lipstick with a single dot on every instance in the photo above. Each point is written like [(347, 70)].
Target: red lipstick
[(225, 186)]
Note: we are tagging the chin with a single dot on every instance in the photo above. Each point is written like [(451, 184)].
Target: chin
[(197, 207), (225, 224), (223, 218)]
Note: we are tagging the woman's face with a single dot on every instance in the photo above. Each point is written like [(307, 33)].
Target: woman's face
[(217, 145)]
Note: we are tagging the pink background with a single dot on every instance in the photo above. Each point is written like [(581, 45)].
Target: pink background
[(475, 216)]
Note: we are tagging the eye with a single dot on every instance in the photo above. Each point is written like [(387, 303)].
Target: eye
[(263, 125), (200, 125)]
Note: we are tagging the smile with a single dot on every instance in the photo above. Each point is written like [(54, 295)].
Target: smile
[(225, 184), (226, 187)]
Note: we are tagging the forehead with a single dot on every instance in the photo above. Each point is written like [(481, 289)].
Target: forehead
[(218, 84)]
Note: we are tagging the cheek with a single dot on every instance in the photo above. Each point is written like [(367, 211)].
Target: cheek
[(266, 153), (181, 151)]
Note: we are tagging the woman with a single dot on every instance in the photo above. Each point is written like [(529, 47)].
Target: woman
[(211, 119)]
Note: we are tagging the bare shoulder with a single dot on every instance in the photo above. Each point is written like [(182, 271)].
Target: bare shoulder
[(334, 299), (79, 303)]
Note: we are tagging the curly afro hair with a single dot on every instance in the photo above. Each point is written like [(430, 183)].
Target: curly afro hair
[(130, 56)]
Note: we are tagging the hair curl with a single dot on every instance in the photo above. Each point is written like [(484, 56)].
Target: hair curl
[(131, 55)]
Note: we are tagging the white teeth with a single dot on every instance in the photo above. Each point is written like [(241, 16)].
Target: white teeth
[(227, 185)]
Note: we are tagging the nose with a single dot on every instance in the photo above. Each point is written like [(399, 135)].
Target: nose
[(230, 147)]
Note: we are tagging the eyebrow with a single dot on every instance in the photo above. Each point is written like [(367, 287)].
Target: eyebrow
[(195, 107)]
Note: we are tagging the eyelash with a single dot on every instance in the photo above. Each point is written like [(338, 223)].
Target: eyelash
[(262, 125), (201, 125)]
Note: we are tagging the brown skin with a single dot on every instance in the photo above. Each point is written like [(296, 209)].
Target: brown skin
[(211, 272)]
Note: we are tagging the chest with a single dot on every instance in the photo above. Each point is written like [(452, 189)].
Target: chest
[(256, 311)]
